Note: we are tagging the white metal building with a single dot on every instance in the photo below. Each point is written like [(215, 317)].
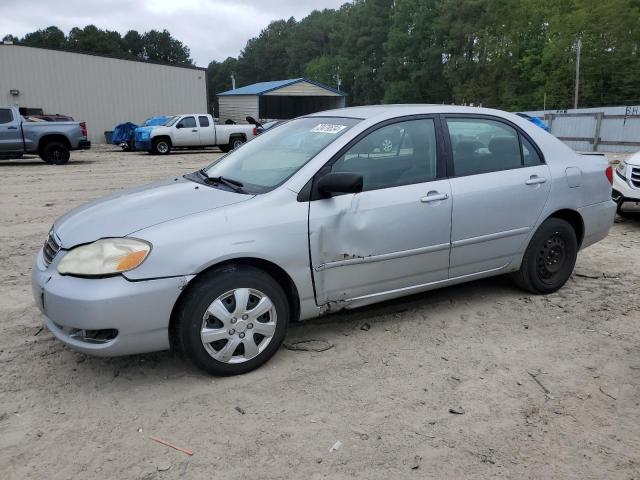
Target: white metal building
[(102, 91), (280, 99)]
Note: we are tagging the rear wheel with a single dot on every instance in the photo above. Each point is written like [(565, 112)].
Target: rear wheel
[(232, 320), (55, 153), (549, 259), (236, 142), (161, 146), (225, 148)]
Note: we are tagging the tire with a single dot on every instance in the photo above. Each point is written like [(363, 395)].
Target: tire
[(210, 304), (55, 153), (225, 148), (549, 259), (236, 142), (161, 146)]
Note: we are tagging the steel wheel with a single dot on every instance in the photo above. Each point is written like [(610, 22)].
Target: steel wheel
[(238, 325), (236, 143), (551, 258)]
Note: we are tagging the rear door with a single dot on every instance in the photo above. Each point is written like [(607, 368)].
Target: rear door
[(499, 184), (395, 234), (186, 132), (207, 131), (10, 134)]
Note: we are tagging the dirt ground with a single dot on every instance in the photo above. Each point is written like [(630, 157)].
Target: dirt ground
[(544, 387)]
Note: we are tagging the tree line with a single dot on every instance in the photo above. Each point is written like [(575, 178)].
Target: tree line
[(510, 54), (153, 45)]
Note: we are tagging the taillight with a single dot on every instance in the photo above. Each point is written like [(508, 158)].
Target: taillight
[(255, 131), (83, 127), (609, 174)]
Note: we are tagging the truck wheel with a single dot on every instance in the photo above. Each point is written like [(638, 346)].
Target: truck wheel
[(231, 320), (549, 259), (225, 148), (161, 146), (55, 153), (236, 142)]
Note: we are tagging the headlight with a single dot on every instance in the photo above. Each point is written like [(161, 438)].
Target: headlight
[(108, 256), (622, 168)]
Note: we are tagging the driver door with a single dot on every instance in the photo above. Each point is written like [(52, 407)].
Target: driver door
[(186, 133), (395, 234)]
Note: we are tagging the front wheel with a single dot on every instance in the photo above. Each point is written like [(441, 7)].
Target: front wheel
[(549, 259), (161, 146), (232, 320)]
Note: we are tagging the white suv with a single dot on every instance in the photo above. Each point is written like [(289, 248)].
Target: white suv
[(626, 185)]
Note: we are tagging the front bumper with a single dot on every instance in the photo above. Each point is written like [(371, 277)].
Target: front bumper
[(84, 145), (627, 197), (133, 315), (143, 145)]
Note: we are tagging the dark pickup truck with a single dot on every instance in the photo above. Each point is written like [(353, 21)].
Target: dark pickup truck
[(52, 141)]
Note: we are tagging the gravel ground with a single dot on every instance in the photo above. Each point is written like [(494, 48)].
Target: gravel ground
[(542, 387)]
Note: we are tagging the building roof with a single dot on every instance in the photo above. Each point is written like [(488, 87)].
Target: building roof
[(261, 88), (104, 55)]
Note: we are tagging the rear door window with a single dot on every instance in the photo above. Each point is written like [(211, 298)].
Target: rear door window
[(483, 146), (204, 121), (6, 116)]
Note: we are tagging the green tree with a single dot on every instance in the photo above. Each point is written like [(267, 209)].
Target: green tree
[(50, 37), (162, 47)]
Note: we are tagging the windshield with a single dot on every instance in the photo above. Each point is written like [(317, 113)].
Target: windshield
[(265, 162), (170, 121)]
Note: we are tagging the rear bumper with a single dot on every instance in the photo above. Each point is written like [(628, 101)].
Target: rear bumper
[(84, 145), (598, 219)]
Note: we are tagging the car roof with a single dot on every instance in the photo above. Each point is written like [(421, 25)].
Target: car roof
[(390, 111)]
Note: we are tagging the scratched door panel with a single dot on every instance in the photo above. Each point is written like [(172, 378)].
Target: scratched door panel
[(379, 240)]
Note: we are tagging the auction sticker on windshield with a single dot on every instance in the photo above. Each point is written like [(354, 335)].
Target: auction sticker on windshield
[(328, 128)]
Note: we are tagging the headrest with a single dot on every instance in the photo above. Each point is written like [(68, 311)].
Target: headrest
[(465, 147), (504, 145)]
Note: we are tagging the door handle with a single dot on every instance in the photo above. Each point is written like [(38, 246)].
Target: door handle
[(434, 196), (535, 180), (194, 130), (12, 128)]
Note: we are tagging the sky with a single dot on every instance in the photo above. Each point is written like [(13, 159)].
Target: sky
[(212, 29)]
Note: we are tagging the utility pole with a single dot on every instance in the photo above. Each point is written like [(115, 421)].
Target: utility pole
[(338, 79), (233, 82), (578, 49)]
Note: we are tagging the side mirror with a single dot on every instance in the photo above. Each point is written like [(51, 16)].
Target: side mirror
[(340, 182), (179, 125)]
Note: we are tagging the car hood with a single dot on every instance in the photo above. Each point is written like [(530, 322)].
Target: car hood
[(131, 210)]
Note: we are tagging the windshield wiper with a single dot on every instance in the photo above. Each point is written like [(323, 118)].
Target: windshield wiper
[(234, 185)]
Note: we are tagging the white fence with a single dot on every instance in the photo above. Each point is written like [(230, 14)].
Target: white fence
[(604, 129)]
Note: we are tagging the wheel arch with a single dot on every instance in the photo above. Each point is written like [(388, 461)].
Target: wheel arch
[(53, 137), (277, 272), (163, 137), (574, 219)]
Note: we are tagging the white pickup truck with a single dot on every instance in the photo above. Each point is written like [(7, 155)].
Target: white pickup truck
[(192, 130)]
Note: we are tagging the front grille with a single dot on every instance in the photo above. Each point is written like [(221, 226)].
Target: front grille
[(635, 177), (50, 248)]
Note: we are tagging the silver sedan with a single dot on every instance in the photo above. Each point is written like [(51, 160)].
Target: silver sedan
[(329, 211)]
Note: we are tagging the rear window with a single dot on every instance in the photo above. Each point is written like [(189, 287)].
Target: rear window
[(204, 121)]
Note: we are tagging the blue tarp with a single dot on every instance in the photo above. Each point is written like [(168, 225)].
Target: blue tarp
[(123, 133)]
